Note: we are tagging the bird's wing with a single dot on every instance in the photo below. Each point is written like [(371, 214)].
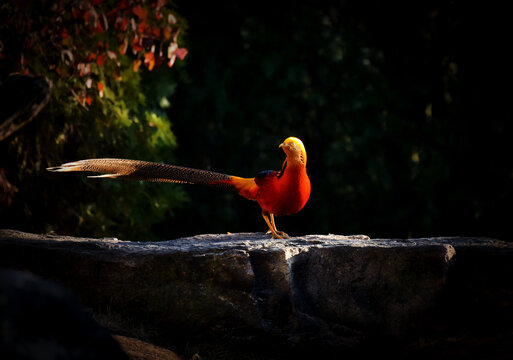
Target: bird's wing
[(156, 172), (266, 177)]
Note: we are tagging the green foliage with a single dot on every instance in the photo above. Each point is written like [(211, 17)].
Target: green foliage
[(397, 103), (113, 118)]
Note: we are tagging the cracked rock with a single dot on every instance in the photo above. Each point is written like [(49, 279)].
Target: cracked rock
[(335, 294)]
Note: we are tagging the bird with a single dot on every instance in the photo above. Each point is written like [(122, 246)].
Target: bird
[(283, 192)]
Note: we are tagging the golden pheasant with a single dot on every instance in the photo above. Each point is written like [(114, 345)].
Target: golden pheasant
[(283, 192)]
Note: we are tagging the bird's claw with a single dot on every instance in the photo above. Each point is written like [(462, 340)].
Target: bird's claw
[(272, 228), (278, 234)]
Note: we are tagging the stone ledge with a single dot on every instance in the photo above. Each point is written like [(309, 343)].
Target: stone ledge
[(332, 293)]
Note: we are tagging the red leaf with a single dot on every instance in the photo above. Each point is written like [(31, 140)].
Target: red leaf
[(149, 60), (136, 44), (88, 100), (122, 4), (100, 89), (111, 15), (99, 28), (142, 27), (91, 57), (136, 64), (87, 16), (100, 59), (123, 47), (181, 52), (124, 24), (139, 11)]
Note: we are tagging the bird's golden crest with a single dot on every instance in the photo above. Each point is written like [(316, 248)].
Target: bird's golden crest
[(295, 149)]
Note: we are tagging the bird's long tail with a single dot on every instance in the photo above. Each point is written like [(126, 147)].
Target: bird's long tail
[(156, 172)]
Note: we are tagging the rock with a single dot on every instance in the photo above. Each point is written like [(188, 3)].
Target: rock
[(317, 295), (140, 350), (42, 320)]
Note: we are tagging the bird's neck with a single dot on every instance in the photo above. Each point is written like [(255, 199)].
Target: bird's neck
[(292, 167), (295, 161)]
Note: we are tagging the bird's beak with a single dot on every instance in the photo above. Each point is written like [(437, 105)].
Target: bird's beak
[(282, 145)]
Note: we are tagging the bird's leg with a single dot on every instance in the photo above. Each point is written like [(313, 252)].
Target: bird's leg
[(272, 227), (283, 234)]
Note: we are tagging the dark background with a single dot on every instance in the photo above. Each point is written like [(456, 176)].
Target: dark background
[(404, 109)]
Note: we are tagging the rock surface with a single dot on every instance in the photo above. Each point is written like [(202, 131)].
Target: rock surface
[(42, 320), (140, 350), (317, 295)]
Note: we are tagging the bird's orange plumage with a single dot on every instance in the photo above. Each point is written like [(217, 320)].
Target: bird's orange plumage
[(283, 195), (282, 192)]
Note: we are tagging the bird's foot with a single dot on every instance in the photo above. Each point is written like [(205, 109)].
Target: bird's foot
[(278, 234), (272, 227)]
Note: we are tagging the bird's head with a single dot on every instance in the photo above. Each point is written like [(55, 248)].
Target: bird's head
[(295, 150)]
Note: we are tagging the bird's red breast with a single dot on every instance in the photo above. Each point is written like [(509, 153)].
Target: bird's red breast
[(285, 192)]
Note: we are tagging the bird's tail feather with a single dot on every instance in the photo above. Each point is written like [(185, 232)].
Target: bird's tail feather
[(145, 170), (156, 172)]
